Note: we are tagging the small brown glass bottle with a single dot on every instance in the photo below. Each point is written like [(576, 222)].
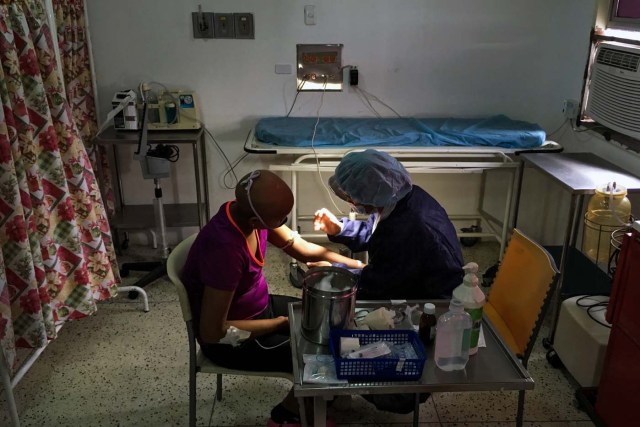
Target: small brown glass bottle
[(428, 322)]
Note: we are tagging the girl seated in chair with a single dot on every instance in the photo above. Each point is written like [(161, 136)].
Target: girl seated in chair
[(228, 293)]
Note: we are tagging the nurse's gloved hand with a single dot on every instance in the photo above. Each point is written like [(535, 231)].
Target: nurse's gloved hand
[(326, 222)]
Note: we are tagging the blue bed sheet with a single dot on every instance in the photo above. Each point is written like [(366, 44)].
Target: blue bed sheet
[(495, 131)]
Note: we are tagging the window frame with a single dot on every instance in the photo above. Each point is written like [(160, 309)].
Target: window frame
[(617, 22)]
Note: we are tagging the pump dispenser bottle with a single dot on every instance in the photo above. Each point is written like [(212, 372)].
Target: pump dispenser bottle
[(473, 299)]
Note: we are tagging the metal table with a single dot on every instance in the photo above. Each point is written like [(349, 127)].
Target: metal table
[(580, 174), (493, 368)]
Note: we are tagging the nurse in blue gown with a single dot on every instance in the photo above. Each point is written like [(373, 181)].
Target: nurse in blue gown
[(412, 245)]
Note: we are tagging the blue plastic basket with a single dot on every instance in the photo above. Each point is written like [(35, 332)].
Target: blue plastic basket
[(378, 369)]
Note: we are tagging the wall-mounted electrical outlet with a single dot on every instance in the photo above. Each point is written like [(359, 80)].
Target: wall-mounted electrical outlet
[(202, 25), (244, 25), (224, 27), (570, 108)]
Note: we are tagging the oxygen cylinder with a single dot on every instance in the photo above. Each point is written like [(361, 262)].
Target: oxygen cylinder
[(609, 209)]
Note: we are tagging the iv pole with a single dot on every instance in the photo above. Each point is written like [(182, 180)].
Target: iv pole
[(152, 168)]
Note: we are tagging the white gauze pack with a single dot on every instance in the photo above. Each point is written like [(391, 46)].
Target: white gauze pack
[(234, 336)]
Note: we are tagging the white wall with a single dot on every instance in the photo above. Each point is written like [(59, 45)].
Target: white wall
[(463, 58)]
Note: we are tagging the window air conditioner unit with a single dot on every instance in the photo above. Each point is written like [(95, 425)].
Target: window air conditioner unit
[(613, 99)]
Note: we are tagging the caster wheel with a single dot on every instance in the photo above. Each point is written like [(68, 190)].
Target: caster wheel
[(133, 295), (546, 343), (554, 359), (125, 243), (470, 241)]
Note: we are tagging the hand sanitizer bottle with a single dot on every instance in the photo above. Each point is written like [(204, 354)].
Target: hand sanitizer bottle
[(473, 300), (452, 338)]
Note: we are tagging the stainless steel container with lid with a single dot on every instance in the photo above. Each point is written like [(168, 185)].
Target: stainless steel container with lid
[(328, 302)]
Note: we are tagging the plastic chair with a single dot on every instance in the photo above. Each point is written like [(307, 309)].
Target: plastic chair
[(520, 296), (197, 361)]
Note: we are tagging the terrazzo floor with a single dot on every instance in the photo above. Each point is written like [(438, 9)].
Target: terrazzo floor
[(124, 367)]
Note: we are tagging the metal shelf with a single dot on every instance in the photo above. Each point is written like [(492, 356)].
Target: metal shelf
[(142, 216), (582, 275)]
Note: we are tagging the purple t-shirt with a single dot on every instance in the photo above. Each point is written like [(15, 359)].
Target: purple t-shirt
[(221, 259)]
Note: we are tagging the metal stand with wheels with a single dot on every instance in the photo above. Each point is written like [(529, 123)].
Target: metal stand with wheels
[(152, 168)]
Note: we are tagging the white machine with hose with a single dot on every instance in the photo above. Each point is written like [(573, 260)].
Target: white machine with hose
[(581, 337)]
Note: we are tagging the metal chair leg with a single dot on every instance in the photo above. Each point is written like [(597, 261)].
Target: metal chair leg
[(213, 407), (192, 395), (303, 410), (520, 415), (416, 411), (219, 387)]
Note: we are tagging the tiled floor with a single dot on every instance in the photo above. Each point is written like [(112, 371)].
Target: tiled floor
[(124, 367)]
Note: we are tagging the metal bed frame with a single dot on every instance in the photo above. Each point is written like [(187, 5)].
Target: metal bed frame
[(417, 160)]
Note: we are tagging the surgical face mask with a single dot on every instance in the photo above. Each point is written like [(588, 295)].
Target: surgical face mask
[(247, 183), (359, 209)]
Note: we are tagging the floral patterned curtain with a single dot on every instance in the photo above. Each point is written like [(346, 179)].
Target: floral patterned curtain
[(76, 68), (55, 241)]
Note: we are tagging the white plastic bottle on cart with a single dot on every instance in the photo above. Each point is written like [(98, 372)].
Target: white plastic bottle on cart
[(452, 338), (473, 300)]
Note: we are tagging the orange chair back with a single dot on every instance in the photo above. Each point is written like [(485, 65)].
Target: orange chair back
[(520, 293)]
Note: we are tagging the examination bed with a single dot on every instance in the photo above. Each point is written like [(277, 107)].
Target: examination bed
[(432, 145)]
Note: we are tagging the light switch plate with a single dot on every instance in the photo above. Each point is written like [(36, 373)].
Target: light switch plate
[(202, 25), (224, 26), (310, 14), (244, 25)]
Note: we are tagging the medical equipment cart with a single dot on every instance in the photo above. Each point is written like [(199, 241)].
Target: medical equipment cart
[(140, 217)]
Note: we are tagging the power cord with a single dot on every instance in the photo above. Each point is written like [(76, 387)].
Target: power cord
[(564, 122), (164, 151), (613, 261), (272, 347), (367, 103), (298, 90), (230, 167), (595, 305), (231, 170), (368, 95), (315, 153), (617, 237)]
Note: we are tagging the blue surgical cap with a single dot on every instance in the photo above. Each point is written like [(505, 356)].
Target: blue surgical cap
[(372, 178)]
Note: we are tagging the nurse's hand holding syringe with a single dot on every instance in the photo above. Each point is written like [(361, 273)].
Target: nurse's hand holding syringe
[(326, 222)]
